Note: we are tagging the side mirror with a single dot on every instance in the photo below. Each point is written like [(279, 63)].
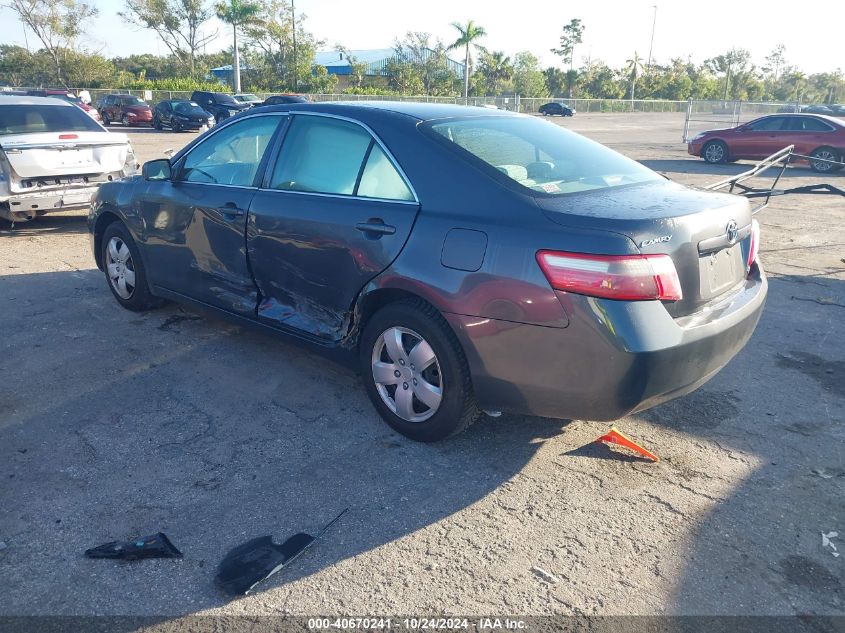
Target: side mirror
[(157, 170)]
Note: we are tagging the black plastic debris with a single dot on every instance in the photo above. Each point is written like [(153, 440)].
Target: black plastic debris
[(251, 562), (154, 546)]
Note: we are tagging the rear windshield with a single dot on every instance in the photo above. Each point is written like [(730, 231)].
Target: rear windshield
[(132, 101), (224, 99), (187, 108), (542, 156), (31, 119)]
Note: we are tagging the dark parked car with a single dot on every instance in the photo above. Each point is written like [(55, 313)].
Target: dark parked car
[(819, 136), (180, 115), (817, 109), (219, 104), (126, 109), (838, 109), (284, 99), (466, 259), (550, 109)]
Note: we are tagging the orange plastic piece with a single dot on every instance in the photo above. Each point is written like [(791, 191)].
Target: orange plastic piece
[(615, 437)]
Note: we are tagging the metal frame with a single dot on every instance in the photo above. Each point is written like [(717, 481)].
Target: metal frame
[(781, 160)]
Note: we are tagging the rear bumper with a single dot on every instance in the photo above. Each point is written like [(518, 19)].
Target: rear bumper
[(614, 358), (23, 206)]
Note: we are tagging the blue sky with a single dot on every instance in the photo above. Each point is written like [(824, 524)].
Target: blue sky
[(614, 29)]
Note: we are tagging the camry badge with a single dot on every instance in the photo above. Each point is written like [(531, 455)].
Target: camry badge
[(655, 240)]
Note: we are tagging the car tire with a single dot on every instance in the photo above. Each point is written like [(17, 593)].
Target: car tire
[(105, 119), (219, 118), (175, 126), (157, 123), (715, 152), (444, 383), (124, 270), (827, 153), (125, 120)]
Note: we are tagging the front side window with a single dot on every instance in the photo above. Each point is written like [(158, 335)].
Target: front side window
[(232, 155), (539, 155), (771, 124), (326, 155)]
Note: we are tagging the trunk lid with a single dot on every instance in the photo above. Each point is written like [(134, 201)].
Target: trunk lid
[(48, 154), (706, 234)]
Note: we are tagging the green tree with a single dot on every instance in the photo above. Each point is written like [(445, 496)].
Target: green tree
[(555, 81), (178, 24), (469, 36), (428, 61), (57, 23), (495, 70), (528, 79), (285, 61), (237, 13), (572, 36)]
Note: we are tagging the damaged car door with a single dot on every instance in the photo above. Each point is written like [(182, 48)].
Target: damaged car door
[(334, 210), (194, 222)]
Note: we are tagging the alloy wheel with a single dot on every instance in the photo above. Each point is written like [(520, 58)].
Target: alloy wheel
[(714, 153), (824, 154), (120, 267), (407, 374)]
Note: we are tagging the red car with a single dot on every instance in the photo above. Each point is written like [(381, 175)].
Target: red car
[(125, 109), (813, 135)]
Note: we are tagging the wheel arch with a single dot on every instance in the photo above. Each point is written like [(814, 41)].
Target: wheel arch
[(106, 217)]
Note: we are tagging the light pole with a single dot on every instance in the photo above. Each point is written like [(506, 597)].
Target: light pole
[(651, 45), (293, 21)]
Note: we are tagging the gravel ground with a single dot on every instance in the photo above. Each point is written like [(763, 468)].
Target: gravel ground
[(114, 424)]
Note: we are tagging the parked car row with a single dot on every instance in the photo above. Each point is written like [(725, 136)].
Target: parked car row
[(818, 136), (834, 109)]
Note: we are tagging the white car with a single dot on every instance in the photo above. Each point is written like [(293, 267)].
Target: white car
[(248, 98), (53, 157)]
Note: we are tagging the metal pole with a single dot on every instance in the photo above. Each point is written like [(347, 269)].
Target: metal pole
[(293, 20), (651, 46)]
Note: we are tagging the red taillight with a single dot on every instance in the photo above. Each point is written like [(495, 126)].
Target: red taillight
[(755, 243), (68, 137), (625, 277)]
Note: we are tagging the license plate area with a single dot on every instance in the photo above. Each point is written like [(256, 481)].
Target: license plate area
[(720, 270)]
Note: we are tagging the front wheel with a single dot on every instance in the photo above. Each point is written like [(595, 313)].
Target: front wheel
[(715, 152), (825, 154), (157, 123), (125, 271), (415, 372), (105, 118), (175, 125)]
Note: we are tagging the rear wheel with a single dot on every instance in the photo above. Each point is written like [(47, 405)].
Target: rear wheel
[(825, 153), (105, 118), (125, 120), (157, 123), (415, 372), (125, 271), (715, 152)]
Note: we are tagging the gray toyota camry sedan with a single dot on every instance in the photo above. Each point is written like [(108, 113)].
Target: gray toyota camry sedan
[(464, 259)]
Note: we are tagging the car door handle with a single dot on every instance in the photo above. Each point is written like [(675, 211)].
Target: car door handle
[(376, 226), (231, 211)]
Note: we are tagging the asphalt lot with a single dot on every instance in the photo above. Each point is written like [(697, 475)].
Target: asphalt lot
[(114, 425)]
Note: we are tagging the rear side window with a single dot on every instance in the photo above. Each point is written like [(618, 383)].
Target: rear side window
[(807, 124), (32, 119), (325, 155), (539, 155)]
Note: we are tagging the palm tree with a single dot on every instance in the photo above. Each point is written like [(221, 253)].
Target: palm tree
[(469, 34), (633, 67), (496, 68), (237, 13)]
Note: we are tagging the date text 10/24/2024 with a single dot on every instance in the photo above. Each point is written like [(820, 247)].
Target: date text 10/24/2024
[(415, 624)]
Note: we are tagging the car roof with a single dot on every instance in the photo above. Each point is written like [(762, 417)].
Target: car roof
[(420, 111), (807, 115), (16, 100)]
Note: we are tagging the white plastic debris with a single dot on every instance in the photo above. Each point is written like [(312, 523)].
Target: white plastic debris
[(543, 574), (827, 542)]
